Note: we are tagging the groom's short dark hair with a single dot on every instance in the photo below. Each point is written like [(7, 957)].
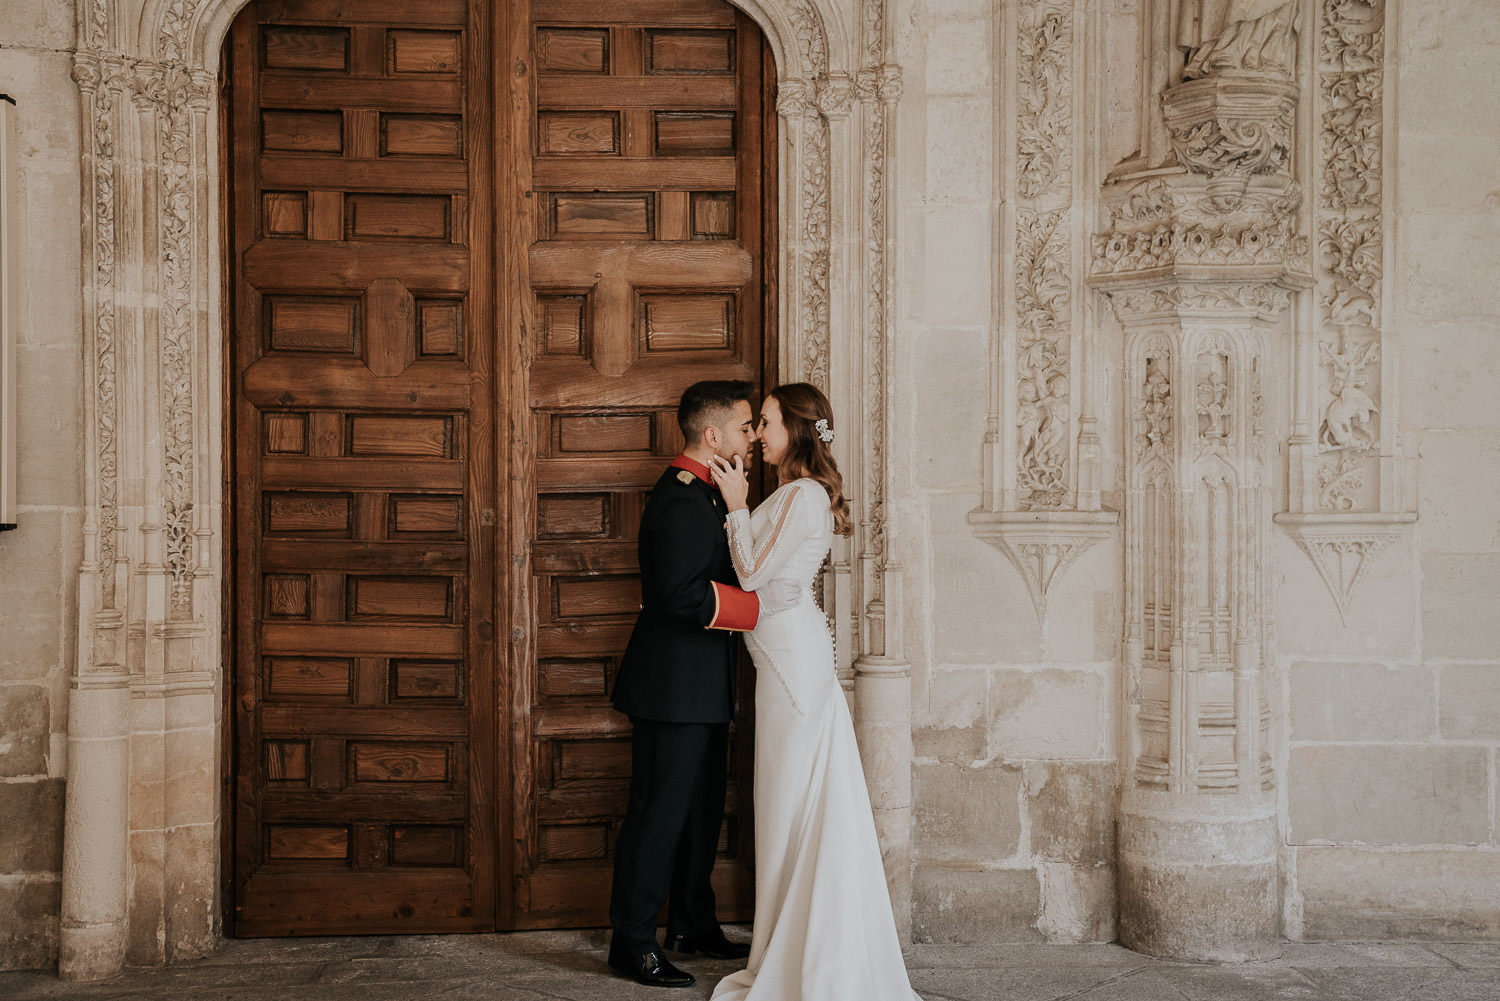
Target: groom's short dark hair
[(705, 402)]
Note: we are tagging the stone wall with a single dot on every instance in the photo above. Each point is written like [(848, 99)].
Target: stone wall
[(1393, 722), (1385, 714), (39, 560)]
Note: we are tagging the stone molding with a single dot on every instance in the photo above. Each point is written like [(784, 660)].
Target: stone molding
[(1043, 544), (150, 586), (1343, 548)]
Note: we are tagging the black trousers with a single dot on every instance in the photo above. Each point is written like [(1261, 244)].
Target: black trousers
[(666, 848)]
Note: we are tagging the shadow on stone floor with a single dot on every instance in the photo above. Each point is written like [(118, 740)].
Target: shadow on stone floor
[(570, 966)]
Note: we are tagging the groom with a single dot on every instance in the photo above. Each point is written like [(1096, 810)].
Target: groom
[(676, 683)]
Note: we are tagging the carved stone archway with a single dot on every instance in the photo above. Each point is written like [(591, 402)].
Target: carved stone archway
[(142, 829)]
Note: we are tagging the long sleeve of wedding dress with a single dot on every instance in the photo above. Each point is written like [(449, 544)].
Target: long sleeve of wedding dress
[(824, 930), (759, 559)]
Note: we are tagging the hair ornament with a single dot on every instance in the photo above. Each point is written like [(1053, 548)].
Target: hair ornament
[(825, 433)]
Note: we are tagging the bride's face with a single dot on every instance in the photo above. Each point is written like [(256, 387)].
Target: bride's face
[(773, 434)]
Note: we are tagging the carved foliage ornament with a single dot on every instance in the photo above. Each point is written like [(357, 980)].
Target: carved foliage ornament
[(1350, 181), (1230, 129), (1043, 50), (1259, 298), (1154, 410), (877, 88), (1042, 282), (102, 82), (1150, 229)]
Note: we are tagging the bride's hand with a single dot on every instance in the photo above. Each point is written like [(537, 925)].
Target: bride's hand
[(731, 480)]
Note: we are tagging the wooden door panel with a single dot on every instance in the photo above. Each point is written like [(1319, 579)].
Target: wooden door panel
[(384, 320), (647, 130), (364, 681)]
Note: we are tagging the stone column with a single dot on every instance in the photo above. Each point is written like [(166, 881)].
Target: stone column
[(96, 823), (1200, 260)]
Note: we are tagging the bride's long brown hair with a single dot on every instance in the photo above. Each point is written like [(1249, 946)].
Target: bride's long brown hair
[(802, 406)]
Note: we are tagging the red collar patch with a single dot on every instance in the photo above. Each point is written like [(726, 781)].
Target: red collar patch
[(693, 466)]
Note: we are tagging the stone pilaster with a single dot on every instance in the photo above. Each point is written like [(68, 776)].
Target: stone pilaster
[(1200, 261)]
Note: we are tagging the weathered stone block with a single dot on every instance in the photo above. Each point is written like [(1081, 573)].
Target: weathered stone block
[(955, 282), (31, 596), (1448, 251), (1445, 356), (191, 776), (1469, 707), (1071, 809), (1390, 795), (951, 397), (1459, 483), (1427, 97), (1458, 173), (1361, 702), (1046, 714), (974, 906), (1446, 25), (145, 930), (1233, 911), (959, 128), (1368, 893), (952, 728), (967, 814), (1458, 605), (958, 58), (40, 23), (1078, 904), (24, 736), (33, 826), (28, 934)]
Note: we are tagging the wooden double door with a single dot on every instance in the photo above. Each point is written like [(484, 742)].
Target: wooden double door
[(476, 252)]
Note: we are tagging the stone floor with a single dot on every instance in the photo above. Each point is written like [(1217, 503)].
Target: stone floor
[(569, 966)]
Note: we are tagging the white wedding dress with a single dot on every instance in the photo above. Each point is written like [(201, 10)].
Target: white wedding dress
[(823, 924)]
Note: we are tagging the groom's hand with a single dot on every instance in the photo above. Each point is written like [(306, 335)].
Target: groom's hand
[(778, 596)]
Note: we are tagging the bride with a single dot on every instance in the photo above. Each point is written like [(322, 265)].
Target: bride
[(823, 924)]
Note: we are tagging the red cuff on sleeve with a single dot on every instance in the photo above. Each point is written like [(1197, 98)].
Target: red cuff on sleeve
[(734, 609)]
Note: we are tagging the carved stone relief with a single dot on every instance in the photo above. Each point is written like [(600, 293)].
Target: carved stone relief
[(1041, 507), (102, 82), (1350, 485), (1044, 151)]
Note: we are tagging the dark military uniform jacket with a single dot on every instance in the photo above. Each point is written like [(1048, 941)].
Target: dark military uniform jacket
[(679, 666)]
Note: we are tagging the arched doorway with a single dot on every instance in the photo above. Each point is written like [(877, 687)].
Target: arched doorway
[(474, 257)]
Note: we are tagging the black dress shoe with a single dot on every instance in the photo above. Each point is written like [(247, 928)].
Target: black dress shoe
[(651, 969), (713, 948)]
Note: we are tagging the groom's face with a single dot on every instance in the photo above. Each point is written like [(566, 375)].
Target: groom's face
[(737, 434)]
